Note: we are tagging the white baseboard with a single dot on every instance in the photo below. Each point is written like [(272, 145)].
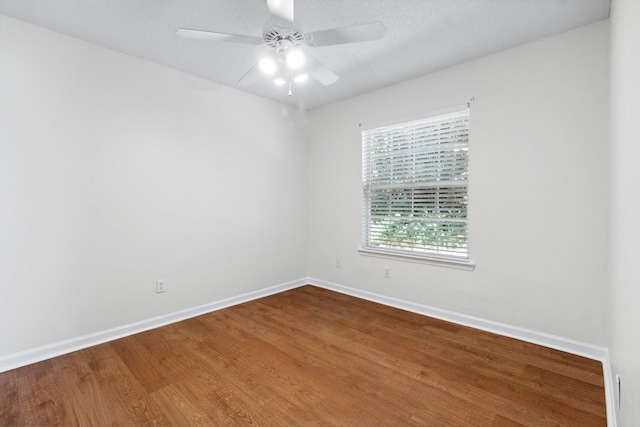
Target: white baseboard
[(27, 357), (610, 387), (541, 338), (590, 351)]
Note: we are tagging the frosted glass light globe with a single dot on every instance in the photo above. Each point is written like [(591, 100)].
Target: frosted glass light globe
[(268, 65), (295, 58)]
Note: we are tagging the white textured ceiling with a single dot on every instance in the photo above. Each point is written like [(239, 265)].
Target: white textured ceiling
[(422, 36)]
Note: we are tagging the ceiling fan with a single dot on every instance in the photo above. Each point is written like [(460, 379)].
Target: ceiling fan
[(287, 61)]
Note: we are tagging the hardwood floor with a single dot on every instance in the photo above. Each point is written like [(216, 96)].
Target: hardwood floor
[(308, 356)]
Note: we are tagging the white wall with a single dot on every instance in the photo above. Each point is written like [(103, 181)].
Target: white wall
[(625, 211), (538, 194), (115, 172)]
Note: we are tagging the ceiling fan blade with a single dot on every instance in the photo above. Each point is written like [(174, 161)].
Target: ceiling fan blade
[(282, 9), (319, 72), (352, 34), (220, 37), (250, 76)]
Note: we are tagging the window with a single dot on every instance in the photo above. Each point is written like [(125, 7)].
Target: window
[(415, 179)]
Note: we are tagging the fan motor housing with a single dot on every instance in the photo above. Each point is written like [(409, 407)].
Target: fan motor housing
[(280, 38)]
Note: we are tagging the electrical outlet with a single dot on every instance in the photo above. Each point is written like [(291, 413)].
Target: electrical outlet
[(338, 263), (159, 286), (387, 272)]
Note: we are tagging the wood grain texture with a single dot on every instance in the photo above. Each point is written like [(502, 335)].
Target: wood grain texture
[(308, 356)]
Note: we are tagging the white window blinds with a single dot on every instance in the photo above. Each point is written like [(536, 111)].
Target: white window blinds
[(415, 179)]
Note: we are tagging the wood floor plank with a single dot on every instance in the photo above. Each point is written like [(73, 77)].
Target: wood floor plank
[(182, 408), (567, 389), (381, 357), (484, 362), (537, 412), (553, 360), (41, 398), (9, 400), (142, 363), (314, 380), (309, 357), (83, 397), (214, 374), (501, 421), (258, 365), (172, 351), (128, 402)]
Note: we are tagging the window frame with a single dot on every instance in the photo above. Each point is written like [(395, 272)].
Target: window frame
[(416, 187)]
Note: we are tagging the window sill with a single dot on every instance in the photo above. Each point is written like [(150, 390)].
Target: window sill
[(460, 265)]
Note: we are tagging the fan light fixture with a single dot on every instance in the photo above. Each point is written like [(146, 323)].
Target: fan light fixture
[(284, 66), (268, 65), (287, 63), (295, 58)]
